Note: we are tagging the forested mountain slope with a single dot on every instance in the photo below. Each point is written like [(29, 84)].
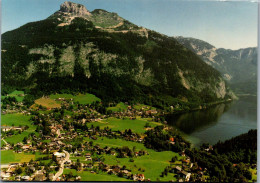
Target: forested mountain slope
[(101, 52), (238, 67)]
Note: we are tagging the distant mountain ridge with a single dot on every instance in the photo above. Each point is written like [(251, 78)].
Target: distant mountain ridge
[(238, 67), (107, 55)]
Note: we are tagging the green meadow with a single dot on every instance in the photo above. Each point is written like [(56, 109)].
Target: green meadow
[(81, 98), (140, 106), (17, 119), (56, 96), (19, 137), (2, 143), (86, 98), (19, 95), (12, 157), (152, 164), (136, 125), (104, 141), (87, 176), (119, 107)]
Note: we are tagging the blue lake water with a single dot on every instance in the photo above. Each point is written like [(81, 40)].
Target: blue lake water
[(220, 122)]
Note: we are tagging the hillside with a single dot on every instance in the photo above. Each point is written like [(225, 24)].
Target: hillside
[(238, 67), (104, 54)]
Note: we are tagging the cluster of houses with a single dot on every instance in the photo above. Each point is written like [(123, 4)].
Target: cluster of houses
[(63, 134), (100, 166), (20, 147), (184, 170), (139, 177), (92, 133), (14, 107), (97, 149), (131, 113), (184, 175), (8, 128), (8, 131), (67, 177), (8, 172)]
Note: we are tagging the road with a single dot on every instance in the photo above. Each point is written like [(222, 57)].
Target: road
[(5, 141), (67, 157)]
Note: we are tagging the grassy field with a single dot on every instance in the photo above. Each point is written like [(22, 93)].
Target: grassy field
[(169, 178), (81, 98), (87, 176), (47, 102), (119, 107), (122, 107), (19, 137), (17, 94), (103, 141), (136, 125), (153, 164), (56, 96), (16, 120), (2, 143), (86, 99), (12, 157), (140, 106)]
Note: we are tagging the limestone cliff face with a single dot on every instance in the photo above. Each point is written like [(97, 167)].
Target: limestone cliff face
[(74, 9)]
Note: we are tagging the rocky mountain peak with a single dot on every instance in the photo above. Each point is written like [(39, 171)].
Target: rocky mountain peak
[(74, 8)]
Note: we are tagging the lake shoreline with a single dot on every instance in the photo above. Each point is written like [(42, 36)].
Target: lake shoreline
[(221, 121), (207, 106)]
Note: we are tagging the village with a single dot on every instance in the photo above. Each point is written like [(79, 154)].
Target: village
[(69, 138)]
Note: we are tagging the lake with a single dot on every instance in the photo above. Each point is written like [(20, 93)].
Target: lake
[(220, 122)]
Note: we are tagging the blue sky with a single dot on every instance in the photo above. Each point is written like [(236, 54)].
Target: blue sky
[(228, 24)]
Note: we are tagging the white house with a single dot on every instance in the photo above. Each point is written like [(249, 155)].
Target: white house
[(59, 155)]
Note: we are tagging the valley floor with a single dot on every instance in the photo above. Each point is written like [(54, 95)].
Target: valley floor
[(81, 140)]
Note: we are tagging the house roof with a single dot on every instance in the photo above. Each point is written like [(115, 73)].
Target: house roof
[(184, 172), (39, 177), (178, 168), (26, 177)]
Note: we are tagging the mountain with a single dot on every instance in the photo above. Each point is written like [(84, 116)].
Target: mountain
[(99, 51), (238, 67)]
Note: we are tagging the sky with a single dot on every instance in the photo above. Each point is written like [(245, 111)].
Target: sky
[(224, 24)]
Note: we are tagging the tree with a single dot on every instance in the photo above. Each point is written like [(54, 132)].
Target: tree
[(25, 140), (134, 149), (9, 100), (120, 174), (131, 160), (204, 146), (147, 125), (91, 143), (70, 175), (174, 159), (18, 170), (29, 100)]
